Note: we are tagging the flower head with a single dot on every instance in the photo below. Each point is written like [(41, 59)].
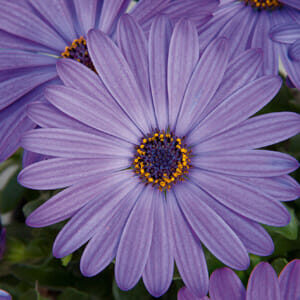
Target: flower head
[(250, 23), (263, 284), (35, 34), (156, 152)]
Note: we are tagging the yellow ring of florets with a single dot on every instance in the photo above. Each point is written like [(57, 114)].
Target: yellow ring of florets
[(165, 182), (263, 4)]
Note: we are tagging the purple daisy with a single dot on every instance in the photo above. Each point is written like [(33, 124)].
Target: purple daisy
[(263, 284), (35, 34), (156, 152), (248, 24)]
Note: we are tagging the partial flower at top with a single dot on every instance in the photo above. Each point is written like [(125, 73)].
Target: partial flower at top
[(156, 152), (263, 284), (35, 34), (249, 24)]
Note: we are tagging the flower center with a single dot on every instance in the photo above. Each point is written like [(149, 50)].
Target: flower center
[(162, 159), (78, 51), (263, 4)]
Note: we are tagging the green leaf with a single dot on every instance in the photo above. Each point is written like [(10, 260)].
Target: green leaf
[(278, 264), (137, 293), (29, 207), (72, 293), (291, 230), (11, 194), (65, 260)]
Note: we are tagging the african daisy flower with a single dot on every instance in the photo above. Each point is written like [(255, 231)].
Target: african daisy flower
[(35, 34), (263, 284), (248, 24), (156, 155)]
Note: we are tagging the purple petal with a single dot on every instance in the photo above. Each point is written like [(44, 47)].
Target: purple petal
[(68, 70), (185, 294), (31, 157), (253, 236), (135, 243), (15, 59), (17, 20), (132, 41), (84, 224), (118, 77), (58, 15), (61, 172), (237, 30), (102, 248), (239, 72), (88, 110), (111, 12), (263, 283), (210, 228), (183, 56), (16, 84), (158, 273), (292, 67), (86, 12), (46, 115), (144, 11), (282, 188), (13, 123), (252, 163), (260, 39), (10, 140), (204, 82), (5, 295), (199, 12), (253, 133), (243, 198), (222, 16), (285, 33), (225, 284), (289, 281), (294, 50), (72, 144), (188, 253), (237, 107), (159, 40), (293, 3), (64, 204)]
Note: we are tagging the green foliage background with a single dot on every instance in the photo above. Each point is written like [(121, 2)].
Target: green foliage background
[(29, 271)]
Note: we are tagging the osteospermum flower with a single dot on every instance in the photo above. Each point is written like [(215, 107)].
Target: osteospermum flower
[(156, 155), (248, 24), (35, 34), (263, 284)]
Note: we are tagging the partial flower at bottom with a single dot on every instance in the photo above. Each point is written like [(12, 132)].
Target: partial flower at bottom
[(156, 153), (263, 284)]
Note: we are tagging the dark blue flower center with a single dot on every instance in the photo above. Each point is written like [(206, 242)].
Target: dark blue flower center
[(78, 51), (162, 159), (263, 4)]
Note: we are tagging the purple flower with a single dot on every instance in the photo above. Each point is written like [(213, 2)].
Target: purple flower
[(157, 156), (34, 34), (263, 284), (249, 24)]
